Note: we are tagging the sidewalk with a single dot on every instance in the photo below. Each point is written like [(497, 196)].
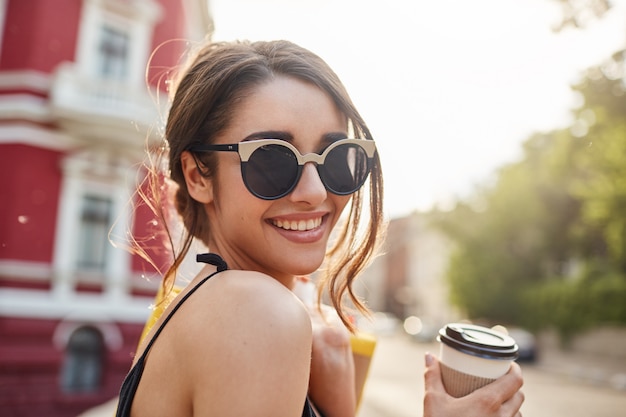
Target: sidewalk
[(395, 381), (104, 410), (593, 369)]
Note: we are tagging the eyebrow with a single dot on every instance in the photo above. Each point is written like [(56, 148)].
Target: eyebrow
[(327, 138), (270, 134), (335, 136)]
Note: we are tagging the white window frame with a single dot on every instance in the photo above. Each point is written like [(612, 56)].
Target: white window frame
[(88, 250), (119, 68), (137, 18), (3, 12), (93, 173)]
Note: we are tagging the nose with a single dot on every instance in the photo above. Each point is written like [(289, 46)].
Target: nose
[(310, 188)]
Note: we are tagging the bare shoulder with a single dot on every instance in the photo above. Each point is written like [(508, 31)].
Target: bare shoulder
[(235, 295), (242, 333)]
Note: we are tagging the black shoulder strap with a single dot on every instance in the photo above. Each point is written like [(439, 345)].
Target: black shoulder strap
[(213, 259), (210, 258), (308, 409)]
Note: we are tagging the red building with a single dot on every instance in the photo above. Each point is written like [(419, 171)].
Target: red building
[(76, 113)]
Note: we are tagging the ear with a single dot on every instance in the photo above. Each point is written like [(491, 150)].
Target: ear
[(200, 187)]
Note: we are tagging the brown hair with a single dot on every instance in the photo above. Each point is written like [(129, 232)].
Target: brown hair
[(215, 80)]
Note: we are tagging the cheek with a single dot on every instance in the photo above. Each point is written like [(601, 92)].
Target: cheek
[(340, 203), (233, 201), (343, 202), (228, 183)]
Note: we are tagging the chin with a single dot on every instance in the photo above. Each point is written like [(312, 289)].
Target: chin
[(305, 269), (305, 264)]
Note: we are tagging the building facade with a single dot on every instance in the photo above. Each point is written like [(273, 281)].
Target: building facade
[(408, 279), (77, 110)]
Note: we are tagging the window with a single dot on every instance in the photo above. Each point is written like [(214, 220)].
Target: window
[(82, 366), (113, 53), (115, 40), (94, 203), (95, 222)]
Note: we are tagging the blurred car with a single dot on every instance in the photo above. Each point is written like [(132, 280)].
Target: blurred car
[(526, 343)]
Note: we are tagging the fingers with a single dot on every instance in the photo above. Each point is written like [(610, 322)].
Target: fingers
[(503, 395), (432, 374), (436, 400), (501, 398), (512, 406), (506, 386)]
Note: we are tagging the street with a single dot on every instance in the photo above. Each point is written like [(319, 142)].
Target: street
[(395, 387)]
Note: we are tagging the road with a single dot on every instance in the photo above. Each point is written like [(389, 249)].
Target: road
[(395, 387)]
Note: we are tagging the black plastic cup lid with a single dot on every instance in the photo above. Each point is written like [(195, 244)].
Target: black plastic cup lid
[(478, 341)]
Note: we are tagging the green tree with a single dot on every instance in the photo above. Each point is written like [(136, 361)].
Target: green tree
[(577, 13), (514, 233), (602, 184), (545, 243)]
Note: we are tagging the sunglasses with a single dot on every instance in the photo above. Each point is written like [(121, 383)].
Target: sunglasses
[(271, 168)]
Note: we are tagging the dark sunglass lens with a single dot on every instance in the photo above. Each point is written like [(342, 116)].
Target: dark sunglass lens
[(345, 169), (271, 171)]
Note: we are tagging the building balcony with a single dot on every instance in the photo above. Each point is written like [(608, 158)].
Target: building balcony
[(106, 111)]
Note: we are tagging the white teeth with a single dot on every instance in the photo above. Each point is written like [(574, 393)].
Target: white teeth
[(300, 225)]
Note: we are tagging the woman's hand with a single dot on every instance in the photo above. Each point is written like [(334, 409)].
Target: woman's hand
[(501, 398), (331, 385)]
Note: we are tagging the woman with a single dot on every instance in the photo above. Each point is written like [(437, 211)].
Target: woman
[(266, 149)]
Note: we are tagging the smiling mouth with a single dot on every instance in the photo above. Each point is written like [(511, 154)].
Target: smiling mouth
[(299, 225)]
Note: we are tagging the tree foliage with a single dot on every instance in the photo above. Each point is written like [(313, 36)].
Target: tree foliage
[(578, 13), (602, 166), (545, 243)]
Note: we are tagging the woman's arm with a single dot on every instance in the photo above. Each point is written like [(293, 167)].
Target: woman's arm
[(501, 398), (251, 348)]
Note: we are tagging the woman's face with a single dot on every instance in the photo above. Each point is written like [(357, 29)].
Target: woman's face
[(255, 234)]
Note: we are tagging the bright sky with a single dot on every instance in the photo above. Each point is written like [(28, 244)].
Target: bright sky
[(449, 88)]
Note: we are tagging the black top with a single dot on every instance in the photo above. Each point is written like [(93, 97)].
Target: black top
[(131, 382)]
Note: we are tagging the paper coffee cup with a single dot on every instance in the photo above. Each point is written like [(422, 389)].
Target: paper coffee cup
[(473, 356)]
